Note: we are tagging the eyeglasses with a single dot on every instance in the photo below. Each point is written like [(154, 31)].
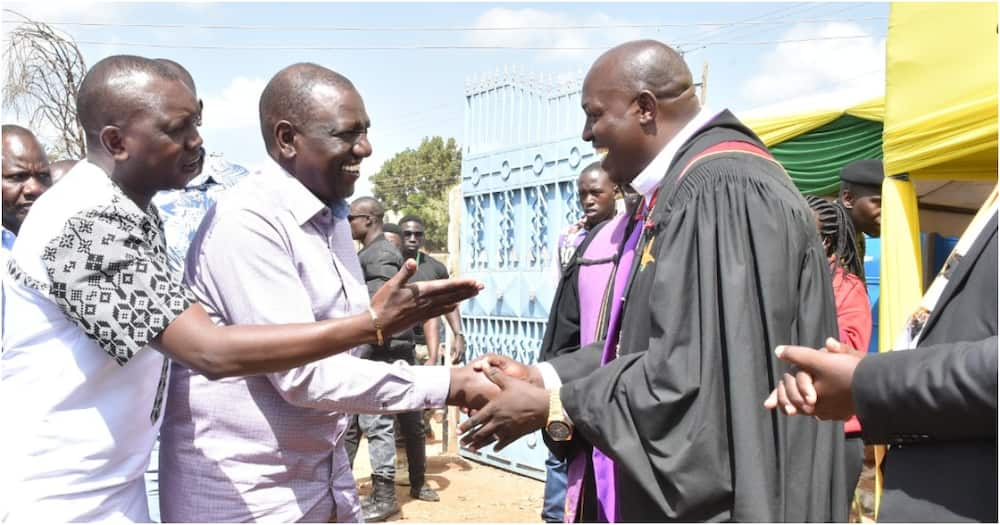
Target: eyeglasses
[(352, 217), (413, 234)]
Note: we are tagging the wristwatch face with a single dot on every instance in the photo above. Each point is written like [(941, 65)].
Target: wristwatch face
[(559, 430)]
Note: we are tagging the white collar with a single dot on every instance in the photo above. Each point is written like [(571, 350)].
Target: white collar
[(649, 178)]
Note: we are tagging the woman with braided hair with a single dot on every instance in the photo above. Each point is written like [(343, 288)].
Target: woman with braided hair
[(854, 316)]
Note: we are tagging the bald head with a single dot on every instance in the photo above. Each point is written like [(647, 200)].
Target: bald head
[(637, 97), (181, 72), (13, 131), (291, 95), (647, 65), (21, 146), (115, 89)]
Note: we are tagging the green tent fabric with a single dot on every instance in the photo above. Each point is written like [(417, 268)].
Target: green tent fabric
[(813, 160)]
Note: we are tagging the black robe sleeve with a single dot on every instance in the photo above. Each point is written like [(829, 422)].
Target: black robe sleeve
[(738, 270), (562, 332)]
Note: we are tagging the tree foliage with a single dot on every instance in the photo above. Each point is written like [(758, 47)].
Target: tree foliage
[(44, 68), (416, 181)]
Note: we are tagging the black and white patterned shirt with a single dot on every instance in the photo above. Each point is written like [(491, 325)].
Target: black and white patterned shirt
[(89, 287)]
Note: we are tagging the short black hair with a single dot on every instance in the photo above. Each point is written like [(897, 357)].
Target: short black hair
[(373, 205), (411, 218), (392, 228), (110, 92), (287, 96), (593, 166)]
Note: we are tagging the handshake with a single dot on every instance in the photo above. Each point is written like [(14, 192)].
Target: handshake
[(504, 398)]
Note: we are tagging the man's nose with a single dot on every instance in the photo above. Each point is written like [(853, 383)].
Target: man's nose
[(34, 187), (196, 141), (363, 148)]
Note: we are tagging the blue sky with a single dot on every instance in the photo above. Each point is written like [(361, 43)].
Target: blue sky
[(766, 57)]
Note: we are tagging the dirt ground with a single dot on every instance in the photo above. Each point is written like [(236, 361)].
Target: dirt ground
[(470, 492)]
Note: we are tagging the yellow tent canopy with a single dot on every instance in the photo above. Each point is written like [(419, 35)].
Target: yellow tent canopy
[(941, 128), (778, 129)]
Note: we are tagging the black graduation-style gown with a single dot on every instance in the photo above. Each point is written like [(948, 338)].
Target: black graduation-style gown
[(734, 268)]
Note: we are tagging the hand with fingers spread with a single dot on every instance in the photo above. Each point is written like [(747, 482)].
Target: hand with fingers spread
[(518, 409), (399, 304), (822, 385)]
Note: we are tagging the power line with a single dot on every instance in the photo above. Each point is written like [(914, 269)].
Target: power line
[(779, 16), (403, 29), (438, 47), (783, 41)]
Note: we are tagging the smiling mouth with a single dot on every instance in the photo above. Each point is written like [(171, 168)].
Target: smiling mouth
[(601, 152), (354, 169)]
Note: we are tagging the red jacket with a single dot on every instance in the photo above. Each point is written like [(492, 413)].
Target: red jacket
[(854, 317)]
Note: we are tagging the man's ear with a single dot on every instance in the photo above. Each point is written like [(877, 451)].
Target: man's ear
[(114, 143), (847, 198), (646, 101), (284, 138)]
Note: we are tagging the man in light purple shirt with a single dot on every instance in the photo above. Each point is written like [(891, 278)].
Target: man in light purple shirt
[(278, 249)]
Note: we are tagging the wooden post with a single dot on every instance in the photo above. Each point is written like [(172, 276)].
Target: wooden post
[(704, 82)]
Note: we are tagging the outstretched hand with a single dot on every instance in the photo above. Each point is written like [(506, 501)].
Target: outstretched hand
[(822, 385), (519, 408), (400, 304)]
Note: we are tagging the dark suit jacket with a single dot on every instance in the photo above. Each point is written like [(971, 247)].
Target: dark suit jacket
[(936, 405)]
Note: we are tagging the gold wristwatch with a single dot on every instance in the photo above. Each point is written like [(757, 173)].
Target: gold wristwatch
[(557, 426)]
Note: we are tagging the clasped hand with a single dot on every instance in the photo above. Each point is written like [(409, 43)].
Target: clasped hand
[(821, 385), (505, 400)]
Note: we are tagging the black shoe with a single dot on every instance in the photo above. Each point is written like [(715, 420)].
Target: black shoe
[(382, 504), (424, 493)]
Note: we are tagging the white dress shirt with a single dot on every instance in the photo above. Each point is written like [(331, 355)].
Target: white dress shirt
[(270, 447)]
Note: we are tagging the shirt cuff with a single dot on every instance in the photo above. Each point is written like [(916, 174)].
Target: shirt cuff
[(550, 379), (431, 384)]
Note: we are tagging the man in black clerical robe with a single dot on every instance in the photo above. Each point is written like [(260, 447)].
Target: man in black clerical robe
[(728, 267)]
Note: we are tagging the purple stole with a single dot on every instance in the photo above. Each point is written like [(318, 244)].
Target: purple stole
[(604, 468)]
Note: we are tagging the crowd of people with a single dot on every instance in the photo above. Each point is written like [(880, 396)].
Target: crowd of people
[(162, 306)]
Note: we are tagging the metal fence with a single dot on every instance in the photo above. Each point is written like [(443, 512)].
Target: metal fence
[(521, 156)]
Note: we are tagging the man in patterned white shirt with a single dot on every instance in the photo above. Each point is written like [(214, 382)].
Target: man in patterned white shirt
[(95, 309)]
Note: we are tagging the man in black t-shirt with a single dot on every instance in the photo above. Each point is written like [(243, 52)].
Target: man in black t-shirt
[(429, 268), (380, 260)]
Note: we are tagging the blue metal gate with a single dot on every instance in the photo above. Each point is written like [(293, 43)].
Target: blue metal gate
[(521, 156)]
